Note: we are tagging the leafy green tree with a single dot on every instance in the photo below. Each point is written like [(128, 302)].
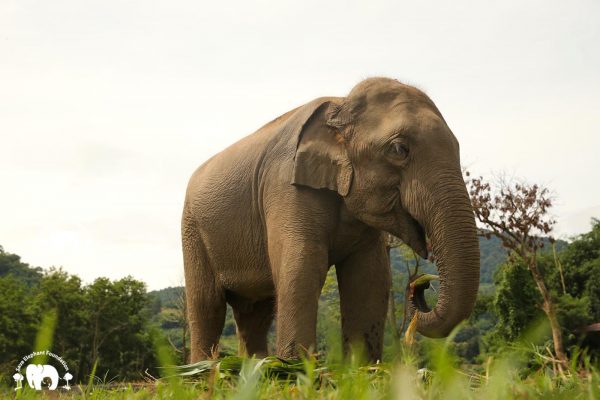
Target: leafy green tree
[(516, 301), (573, 278), (17, 321), (467, 343), (517, 214), (580, 263), (105, 322), (118, 338), (592, 288), (63, 292), (577, 282)]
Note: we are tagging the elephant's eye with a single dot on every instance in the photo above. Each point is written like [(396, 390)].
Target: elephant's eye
[(400, 149)]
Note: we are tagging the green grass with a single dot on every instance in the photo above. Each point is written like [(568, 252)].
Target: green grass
[(426, 371)]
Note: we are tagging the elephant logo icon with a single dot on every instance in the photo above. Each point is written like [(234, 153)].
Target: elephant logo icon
[(39, 375), (36, 373)]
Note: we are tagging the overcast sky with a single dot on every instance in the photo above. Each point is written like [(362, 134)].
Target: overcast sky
[(107, 107)]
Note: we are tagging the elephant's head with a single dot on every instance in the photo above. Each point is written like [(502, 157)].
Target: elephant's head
[(388, 152)]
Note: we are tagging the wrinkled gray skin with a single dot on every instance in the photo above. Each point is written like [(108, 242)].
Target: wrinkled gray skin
[(265, 219)]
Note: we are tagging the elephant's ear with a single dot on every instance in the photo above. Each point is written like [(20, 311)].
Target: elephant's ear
[(321, 160)]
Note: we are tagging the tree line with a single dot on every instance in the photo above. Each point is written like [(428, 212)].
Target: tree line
[(103, 326)]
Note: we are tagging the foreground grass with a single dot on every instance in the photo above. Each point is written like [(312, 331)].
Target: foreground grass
[(425, 370), (518, 374)]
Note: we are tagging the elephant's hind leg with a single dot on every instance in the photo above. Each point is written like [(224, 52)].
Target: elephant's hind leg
[(205, 298), (253, 325)]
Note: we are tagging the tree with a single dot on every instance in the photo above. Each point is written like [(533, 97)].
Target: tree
[(17, 321), (517, 214), (11, 264), (117, 336), (581, 264), (64, 293), (105, 322), (579, 306), (515, 301)]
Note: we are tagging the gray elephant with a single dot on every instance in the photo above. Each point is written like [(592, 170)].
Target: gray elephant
[(37, 372), (265, 219)]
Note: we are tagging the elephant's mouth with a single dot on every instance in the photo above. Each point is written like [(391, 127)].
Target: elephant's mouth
[(413, 234)]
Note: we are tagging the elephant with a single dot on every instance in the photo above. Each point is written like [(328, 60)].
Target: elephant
[(322, 185), (37, 372)]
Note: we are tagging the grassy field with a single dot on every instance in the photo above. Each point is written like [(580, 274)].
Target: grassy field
[(427, 370)]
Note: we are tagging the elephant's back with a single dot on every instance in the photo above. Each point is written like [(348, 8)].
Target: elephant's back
[(231, 174)]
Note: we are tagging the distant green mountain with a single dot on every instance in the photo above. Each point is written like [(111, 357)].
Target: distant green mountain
[(168, 297), (492, 255), (11, 265)]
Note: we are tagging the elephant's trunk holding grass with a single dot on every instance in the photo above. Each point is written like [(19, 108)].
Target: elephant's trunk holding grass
[(448, 222), (265, 219)]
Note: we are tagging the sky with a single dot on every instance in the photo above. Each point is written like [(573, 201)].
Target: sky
[(107, 107)]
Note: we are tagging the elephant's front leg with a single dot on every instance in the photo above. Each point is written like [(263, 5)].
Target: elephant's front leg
[(300, 267), (364, 281)]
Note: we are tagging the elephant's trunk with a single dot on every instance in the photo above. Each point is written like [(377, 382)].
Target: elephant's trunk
[(449, 222)]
